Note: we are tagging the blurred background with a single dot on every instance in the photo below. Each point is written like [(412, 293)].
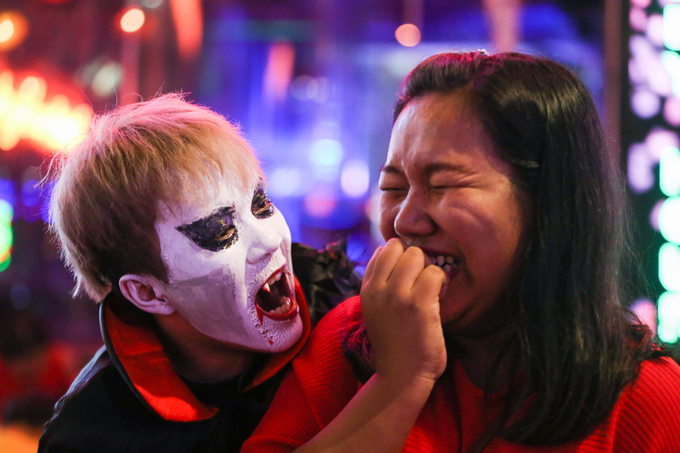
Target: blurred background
[(312, 83)]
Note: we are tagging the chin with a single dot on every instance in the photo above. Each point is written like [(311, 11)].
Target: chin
[(279, 336)]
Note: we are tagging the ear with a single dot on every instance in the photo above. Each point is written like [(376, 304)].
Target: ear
[(146, 293)]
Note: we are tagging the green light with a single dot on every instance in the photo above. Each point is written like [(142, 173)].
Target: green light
[(669, 317), (671, 27), (5, 264), (6, 235), (671, 61), (669, 267), (669, 220), (669, 171)]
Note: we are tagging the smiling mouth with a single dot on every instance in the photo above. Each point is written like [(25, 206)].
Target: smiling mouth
[(274, 300)]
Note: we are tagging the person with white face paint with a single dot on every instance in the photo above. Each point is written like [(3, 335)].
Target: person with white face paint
[(163, 216)]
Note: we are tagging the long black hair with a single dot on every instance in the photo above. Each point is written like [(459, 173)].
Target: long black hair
[(578, 347)]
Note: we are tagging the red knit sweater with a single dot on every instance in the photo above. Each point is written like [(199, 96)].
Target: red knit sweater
[(645, 419)]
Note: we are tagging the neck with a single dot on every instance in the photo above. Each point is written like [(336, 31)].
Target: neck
[(483, 355), (198, 357)]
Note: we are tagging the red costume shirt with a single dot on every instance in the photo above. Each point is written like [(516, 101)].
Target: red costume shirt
[(645, 419)]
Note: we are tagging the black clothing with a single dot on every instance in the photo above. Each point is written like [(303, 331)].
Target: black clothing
[(128, 398)]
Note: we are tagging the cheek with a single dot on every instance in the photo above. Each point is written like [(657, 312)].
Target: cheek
[(387, 212)]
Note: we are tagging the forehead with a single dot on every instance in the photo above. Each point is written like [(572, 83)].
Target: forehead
[(203, 195), (439, 127)]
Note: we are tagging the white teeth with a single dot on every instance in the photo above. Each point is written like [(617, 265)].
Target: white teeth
[(447, 263), (274, 278), (266, 287), (284, 308)]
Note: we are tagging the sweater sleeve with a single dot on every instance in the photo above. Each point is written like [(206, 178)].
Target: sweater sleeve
[(649, 417), (314, 391)]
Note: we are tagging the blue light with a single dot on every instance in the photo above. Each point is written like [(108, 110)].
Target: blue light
[(30, 193)]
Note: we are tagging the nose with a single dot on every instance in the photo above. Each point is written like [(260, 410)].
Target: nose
[(413, 218), (264, 241)]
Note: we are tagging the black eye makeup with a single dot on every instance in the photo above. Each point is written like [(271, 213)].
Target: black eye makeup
[(215, 232), (262, 206)]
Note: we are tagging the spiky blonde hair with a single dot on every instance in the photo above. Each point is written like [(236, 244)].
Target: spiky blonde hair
[(109, 186)]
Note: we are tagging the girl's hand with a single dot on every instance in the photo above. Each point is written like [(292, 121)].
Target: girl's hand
[(400, 304)]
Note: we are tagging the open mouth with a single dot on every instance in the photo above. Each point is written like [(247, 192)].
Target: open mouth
[(448, 264), (274, 300)]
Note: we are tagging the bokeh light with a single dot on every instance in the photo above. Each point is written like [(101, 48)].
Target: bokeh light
[(13, 29), (669, 172), (408, 35), (669, 267), (645, 103), (354, 179), (671, 30), (132, 20), (325, 156), (669, 221), (669, 317), (645, 310)]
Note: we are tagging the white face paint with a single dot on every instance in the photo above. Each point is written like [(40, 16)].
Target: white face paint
[(219, 255)]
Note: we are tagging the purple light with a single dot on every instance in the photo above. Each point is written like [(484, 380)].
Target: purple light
[(658, 140), (640, 176), (645, 310), (645, 103), (671, 111), (654, 215), (637, 19), (655, 29)]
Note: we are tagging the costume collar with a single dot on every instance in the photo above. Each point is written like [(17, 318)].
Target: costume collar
[(138, 355)]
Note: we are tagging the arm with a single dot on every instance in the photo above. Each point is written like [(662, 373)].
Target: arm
[(400, 303)]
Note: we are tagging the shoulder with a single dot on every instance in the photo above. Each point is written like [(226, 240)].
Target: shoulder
[(649, 408), (658, 380), (98, 401)]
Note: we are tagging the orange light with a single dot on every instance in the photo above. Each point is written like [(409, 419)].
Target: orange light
[(279, 70), (6, 30), (26, 114), (407, 35), (13, 29), (187, 16), (132, 20)]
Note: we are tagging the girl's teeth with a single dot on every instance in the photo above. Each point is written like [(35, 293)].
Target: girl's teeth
[(447, 263), (278, 276), (266, 287)]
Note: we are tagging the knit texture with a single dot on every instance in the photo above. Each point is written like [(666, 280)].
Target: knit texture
[(645, 419)]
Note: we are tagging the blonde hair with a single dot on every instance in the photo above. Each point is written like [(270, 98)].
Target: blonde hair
[(109, 185)]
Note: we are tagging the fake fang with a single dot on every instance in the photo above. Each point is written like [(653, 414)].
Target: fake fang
[(274, 300), (447, 263)]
